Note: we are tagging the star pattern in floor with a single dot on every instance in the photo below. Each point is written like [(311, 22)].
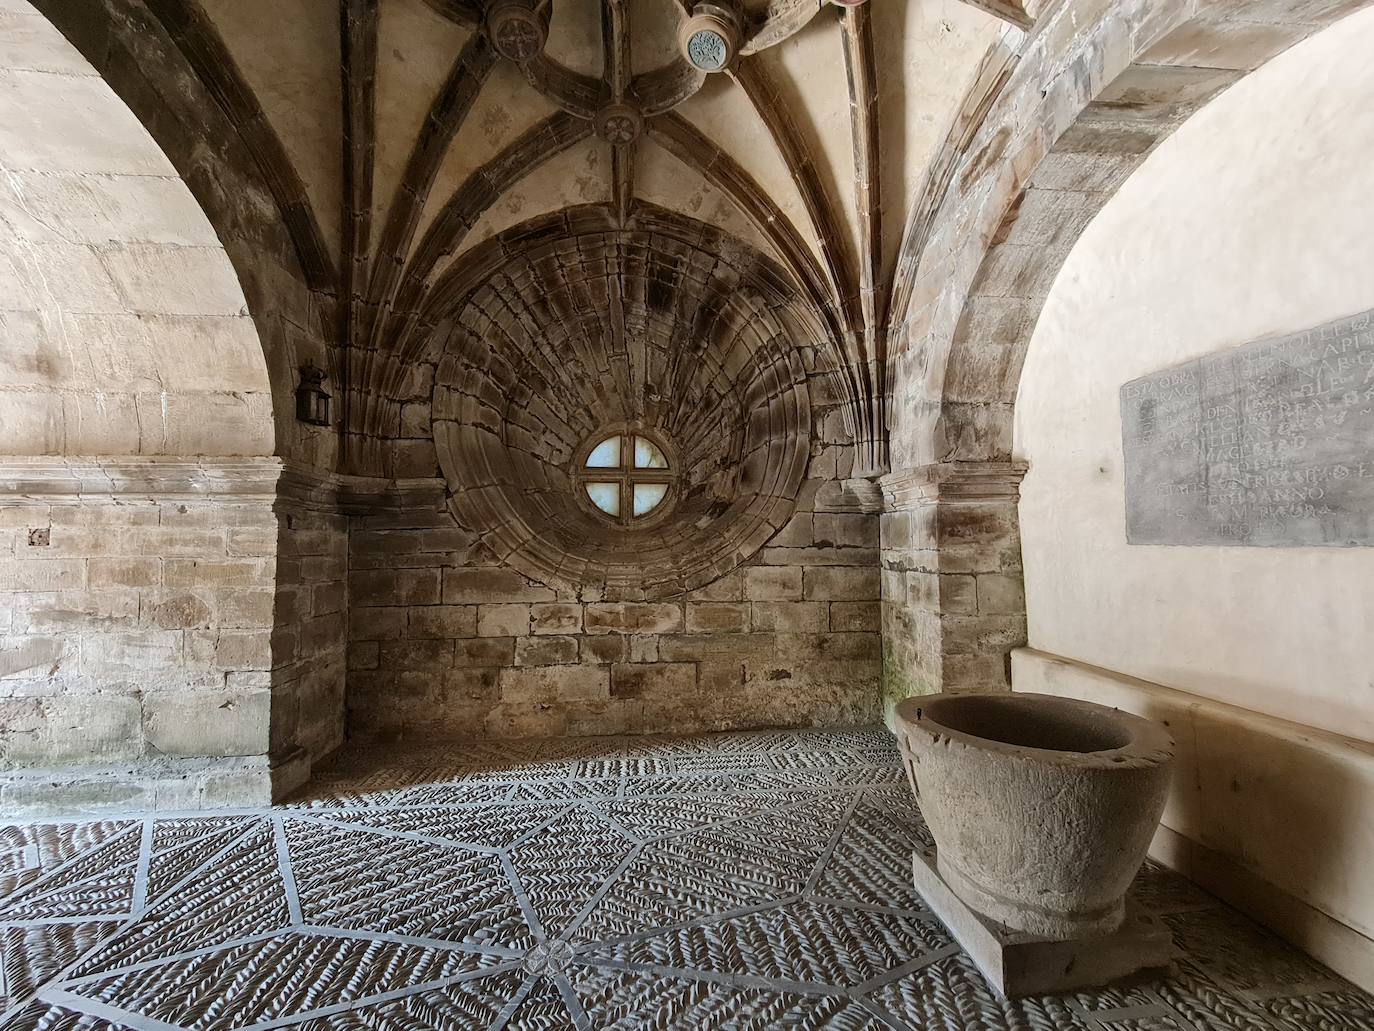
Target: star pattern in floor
[(749, 880)]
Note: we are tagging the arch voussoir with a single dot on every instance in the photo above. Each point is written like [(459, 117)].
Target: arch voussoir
[(1109, 94)]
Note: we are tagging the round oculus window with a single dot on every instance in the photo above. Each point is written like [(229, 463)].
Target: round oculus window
[(625, 477)]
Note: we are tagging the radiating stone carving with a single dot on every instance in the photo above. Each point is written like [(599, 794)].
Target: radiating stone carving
[(664, 325)]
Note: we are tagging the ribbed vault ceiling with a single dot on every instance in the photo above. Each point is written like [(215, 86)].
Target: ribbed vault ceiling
[(810, 144)]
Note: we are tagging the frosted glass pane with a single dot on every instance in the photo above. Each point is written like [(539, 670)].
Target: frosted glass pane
[(647, 496), (605, 455), (605, 496), (648, 456)]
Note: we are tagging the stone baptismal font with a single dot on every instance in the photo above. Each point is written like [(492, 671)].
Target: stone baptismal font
[(1042, 810)]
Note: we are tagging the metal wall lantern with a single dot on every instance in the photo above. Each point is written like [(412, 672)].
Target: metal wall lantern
[(312, 400)]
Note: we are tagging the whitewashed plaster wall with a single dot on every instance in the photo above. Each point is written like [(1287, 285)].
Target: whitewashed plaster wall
[(1254, 219)]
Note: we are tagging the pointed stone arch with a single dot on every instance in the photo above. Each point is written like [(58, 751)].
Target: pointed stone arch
[(1086, 98)]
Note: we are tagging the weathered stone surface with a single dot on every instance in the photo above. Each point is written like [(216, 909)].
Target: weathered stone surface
[(1017, 964), (1042, 808), (1266, 444)]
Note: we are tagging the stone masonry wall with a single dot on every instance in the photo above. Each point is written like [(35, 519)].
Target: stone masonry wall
[(310, 626), (447, 641), (442, 644), (136, 631), (952, 599), (168, 637)]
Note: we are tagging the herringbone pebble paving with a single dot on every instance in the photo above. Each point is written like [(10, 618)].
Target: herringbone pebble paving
[(752, 880)]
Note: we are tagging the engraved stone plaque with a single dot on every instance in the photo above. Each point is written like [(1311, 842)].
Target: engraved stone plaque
[(1267, 444)]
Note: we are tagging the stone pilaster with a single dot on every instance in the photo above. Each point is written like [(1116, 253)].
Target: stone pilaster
[(952, 596)]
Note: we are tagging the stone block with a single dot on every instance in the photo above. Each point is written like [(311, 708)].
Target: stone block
[(548, 650), (484, 651), (550, 683), (70, 729), (731, 646), (841, 583), (195, 281), (958, 594), (42, 574), (321, 635), (790, 616), (976, 672), (982, 635), (828, 646), (130, 652), (364, 655), (123, 572), (418, 654), (328, 598), (633, 618), (717, 677), (643, 648), (718, 616), (660, 680), (503, 620), (394, 587), (729, 587), (856, 616), (178, 611), (526, 720), (556, 618), (244, 607), (379, 623), (796, 534), (845, 530), (244, 649), (250, 542), (978, 538), (490, 586), (245, 572), (436, 621), (207, 723), (1001, 593), (472, 685), (773, 583), (77, 612), (617, 716), (607, 648)]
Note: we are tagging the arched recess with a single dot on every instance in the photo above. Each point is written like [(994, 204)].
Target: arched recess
[(144, 661), (527, 613), (1196, 411), (165, 61), (1091, 93), (125, 331)]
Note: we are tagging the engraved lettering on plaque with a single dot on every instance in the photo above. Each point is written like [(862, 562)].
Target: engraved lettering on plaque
[(1270, 444)]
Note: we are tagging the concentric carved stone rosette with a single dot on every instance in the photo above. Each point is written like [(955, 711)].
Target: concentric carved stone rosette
[(619, 123), (711, 38), (705, 348), (517, 29)]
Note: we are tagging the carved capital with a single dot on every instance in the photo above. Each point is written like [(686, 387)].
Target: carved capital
[(953, 482)]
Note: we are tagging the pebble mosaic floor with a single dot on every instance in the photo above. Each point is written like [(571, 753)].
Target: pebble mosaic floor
[(754, 880)]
